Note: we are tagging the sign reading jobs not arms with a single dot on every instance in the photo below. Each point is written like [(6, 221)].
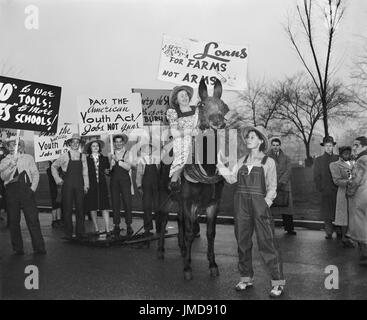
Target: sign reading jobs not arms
[(101, 115), (27, 105), (49, 147), (186, 61)]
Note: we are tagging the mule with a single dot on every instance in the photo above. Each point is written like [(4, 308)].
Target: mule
[(201, 185)]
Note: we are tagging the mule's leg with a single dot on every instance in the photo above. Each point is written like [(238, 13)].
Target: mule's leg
[(212, 213), (181, 231), (190, 211)]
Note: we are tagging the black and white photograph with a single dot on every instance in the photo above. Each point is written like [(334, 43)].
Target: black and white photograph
[(183, 155)]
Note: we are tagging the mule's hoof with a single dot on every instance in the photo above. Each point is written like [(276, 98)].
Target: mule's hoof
[(214, 272), (160, 255), (188, 275)]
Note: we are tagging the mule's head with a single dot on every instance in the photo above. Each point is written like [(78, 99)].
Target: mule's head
[(211, 109)]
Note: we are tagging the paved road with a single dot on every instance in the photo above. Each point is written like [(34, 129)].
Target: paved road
[(76, 272)]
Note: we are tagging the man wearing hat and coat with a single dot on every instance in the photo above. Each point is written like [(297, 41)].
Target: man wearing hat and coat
[(20, 175), (325, 185), (75, 183), (120, 183)]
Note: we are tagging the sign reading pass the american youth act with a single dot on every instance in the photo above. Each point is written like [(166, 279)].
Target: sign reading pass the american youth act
[(29, 105), (117, 114), (49, 147)]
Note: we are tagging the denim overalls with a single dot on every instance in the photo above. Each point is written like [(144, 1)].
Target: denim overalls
[(252, 213)]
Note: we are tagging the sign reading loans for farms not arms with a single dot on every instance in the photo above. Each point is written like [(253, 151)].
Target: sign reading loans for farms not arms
[(27, 105), (109, 115), (186, 61)]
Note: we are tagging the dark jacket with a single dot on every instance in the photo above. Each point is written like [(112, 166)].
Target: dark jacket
[(283, 164), (97, 196), (322, 175)]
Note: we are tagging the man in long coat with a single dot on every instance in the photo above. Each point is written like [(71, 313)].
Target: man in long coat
[(283, 199), (325, 185)]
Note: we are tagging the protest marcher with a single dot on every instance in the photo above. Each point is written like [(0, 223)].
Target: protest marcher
[(20, 175), (183, 119), (75, 184), (3, 154), (97, 196), (283, 164), (357, 192), (256, 178), (341, 172), (147, 182), (325, 185), (120, 183), (55, 194)]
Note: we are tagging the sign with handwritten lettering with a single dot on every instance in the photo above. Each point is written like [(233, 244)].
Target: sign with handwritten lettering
[(187, 61), (7, 134), (155, 103), (29, 105), (113, 114), (48, 147)]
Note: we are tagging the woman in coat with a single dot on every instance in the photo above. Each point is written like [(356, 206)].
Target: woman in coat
[(341, 172), (97, 196), (357, 191)]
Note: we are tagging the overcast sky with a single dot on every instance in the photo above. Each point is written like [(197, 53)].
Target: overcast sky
[(99, 47)]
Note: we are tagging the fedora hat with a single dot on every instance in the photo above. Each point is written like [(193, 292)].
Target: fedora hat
[(89, 144), (328, 139), (123, 136), (175, 91), (75, 136), (262, 133)]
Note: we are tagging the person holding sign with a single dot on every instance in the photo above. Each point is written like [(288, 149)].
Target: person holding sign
[(20, 175), (97, 196), (183, 119), (75, 183), (120, 184)]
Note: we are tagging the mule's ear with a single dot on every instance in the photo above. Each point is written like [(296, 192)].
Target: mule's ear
[(217, 89), (203, 91)]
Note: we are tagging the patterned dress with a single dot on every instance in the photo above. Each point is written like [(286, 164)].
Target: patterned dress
[(182, 126)]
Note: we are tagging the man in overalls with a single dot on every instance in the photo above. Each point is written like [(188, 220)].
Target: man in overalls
[(256, 179), (120, 183), (20, 175), (147, 182), (75, 184)]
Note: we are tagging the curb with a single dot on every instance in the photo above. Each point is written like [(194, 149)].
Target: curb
[(308, 224)]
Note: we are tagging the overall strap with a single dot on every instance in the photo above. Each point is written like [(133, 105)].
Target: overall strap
[(80, 158), (69, 155), (244, 161)]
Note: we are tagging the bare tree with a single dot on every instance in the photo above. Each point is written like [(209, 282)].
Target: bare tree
[(319, 72), (301, 107), (261, 101), (359, 74)]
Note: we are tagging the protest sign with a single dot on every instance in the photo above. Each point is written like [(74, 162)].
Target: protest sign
[(29, 105), (186, 61), (49, 147), (106, 115), (155, 103), (7, 134)]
